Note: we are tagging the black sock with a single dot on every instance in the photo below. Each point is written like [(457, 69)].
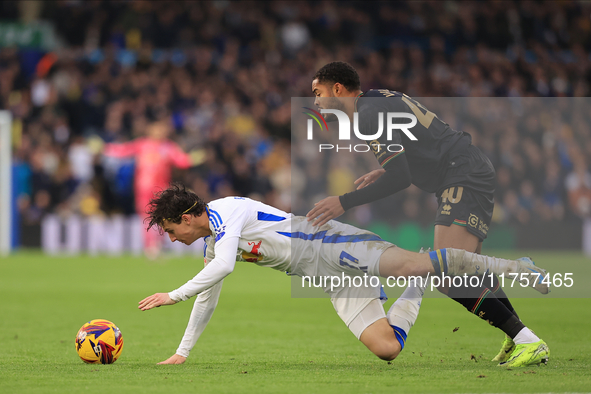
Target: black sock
[(482, 302), (500, 294)]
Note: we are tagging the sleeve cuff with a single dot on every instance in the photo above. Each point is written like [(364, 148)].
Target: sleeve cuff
[(345, 203), (175, 296)]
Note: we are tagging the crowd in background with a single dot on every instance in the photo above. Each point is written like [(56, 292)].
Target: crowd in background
[(223, 74)]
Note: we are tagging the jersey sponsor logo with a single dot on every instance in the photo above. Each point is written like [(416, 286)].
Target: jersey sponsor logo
[(255, 247), (446, 209), (483, 227), (220, 232), (254, 255), (375, 147), (473, 220), (477, 223), (251, 258)]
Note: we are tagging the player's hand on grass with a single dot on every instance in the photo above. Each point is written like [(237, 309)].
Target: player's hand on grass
[(369, 178), (325, 210), (175, 359), (155, 300)]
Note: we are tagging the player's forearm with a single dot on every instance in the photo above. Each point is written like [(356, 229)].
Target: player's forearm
[(203, 309), (217, 269), (389, 183), (211, 274)]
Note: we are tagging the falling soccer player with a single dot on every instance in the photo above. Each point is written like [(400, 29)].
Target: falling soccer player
[(237, 228), (442, 161)]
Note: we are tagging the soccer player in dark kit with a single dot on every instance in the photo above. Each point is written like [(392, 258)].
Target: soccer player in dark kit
[(442, 161)]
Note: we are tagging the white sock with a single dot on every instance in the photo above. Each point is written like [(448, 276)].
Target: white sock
[(525, 336), (404, 312), (461, 262)]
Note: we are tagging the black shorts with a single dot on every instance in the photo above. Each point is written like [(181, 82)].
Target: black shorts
[(467, 200)]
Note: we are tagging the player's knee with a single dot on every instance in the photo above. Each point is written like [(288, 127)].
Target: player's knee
[(387, 351)]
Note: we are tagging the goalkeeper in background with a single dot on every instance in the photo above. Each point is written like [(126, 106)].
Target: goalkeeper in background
[(155, 155)]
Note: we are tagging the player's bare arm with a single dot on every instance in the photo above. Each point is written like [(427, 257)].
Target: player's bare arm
[(368, 178), (325, 210), (155, 301)]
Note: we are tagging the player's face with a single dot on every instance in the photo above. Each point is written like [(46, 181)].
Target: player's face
[(326, 99), (158, 131), (182, 232)]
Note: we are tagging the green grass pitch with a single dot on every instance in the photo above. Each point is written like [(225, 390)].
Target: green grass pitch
[(260, 339)]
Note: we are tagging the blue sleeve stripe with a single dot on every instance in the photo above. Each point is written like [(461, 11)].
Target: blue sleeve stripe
[(217, 215), (268, 217), (213, 221), (332, 239), (212, 218)]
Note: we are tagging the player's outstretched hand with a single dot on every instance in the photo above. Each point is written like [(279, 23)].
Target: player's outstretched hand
[(325, 210), (175, 359), (369, 178), (155, 300)]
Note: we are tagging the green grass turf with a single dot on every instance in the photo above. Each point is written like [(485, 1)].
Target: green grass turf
[(260, 340)]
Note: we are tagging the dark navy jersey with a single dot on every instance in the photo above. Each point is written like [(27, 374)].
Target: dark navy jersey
[(430, 156)]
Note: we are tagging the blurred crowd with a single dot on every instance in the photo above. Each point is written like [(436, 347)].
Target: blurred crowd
[(222, 74)]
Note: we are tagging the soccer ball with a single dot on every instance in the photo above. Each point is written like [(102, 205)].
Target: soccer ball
[(99, 342)]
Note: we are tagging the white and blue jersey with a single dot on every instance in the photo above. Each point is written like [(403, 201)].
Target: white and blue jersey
[(263, 230), (247, 230)]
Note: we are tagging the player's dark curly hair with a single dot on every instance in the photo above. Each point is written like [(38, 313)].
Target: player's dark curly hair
[(171, 204), (340, 72)]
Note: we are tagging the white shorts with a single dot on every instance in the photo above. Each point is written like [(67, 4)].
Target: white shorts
[(371, 312), (333, 249), (340, 250)]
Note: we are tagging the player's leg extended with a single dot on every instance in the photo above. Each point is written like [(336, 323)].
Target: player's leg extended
[(508, 346), (396, 262), (498, 290), (489, 303)]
